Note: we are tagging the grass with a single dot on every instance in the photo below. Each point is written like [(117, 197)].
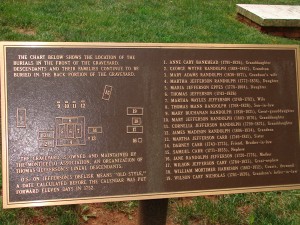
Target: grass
[(125, 207), (276, 208), (58, 215), (176, 21), (130, 21), (17, 216), (62, 215)]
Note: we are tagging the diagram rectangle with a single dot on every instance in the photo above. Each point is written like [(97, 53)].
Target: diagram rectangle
[(21, 117)]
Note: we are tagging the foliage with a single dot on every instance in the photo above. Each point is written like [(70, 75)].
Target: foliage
[(62, 215), (125, 207), (84, 213)]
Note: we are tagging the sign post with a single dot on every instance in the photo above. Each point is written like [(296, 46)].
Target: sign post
[(153, 212)]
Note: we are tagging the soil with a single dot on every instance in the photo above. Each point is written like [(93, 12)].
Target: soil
[(113, 217), (25, 31), (108, 217)]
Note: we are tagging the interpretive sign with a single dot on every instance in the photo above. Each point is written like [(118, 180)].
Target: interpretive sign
[(92, 122)]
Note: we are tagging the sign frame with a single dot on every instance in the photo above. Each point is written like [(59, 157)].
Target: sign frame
[(143, 196)]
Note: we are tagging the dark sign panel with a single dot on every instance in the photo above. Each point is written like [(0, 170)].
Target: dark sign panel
[(107, 122)]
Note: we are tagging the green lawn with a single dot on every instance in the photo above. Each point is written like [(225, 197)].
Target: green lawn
[(130, 21), (185, 21), (280, 208)]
